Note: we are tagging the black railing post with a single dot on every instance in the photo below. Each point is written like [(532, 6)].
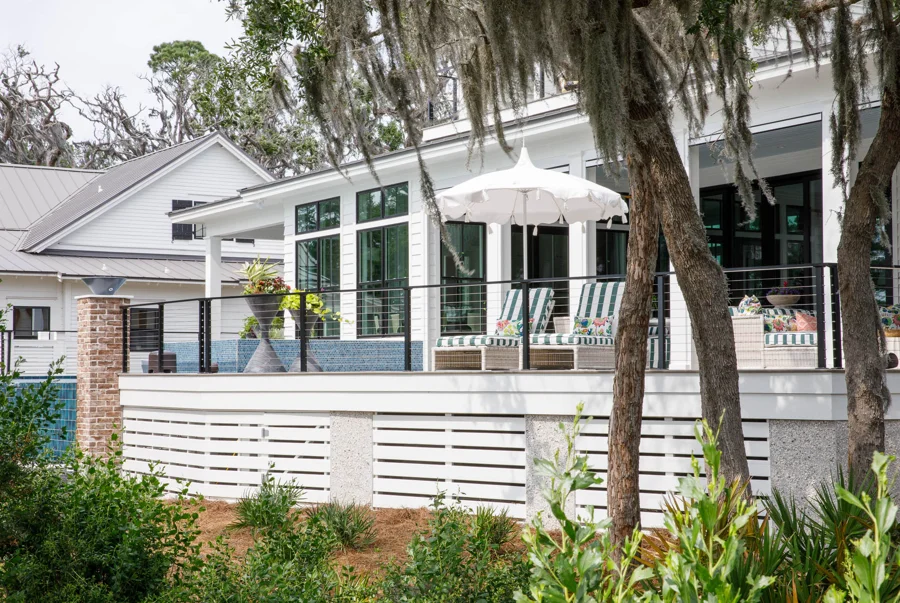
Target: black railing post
[(836, 318), (304, 340), (820, 314), (160, 337), (526, 336), (662, 358), (201, 337), (407, 329), (124, 339), (207, 334), (9, 345)]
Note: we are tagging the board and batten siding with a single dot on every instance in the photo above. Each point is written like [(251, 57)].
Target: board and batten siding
[(140, 223)]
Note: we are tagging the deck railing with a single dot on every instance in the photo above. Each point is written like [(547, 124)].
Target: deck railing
[(395, 327)]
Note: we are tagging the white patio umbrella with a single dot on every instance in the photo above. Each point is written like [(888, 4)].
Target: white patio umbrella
[(524, 193)]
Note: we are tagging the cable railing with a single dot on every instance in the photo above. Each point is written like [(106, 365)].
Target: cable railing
[(784, 317), (36, 349)]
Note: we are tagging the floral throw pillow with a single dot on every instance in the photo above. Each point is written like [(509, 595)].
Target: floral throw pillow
[(805, 322), (511, 328), (598, 327), (788, 323), (750, 305), (890, 317)]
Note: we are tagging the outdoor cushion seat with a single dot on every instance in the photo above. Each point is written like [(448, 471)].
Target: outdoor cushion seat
[(570, 339), (477, 340), (792, 338)]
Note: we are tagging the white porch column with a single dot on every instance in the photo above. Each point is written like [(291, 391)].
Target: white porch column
[(214, 282), (682, 354), (832, 204), (498, 268), (582, 245)]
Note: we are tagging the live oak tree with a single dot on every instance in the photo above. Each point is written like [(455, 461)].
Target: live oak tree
[(627, 60)]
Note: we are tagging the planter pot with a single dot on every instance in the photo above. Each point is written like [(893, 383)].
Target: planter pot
[(264, 359), (312, 365), (783, 300)]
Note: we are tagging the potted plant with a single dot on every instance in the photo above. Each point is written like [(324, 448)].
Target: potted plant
[(785, 295), (265, 291), (316, 311)]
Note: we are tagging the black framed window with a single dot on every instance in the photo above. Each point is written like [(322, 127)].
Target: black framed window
[(319, 269), (28, 321), (382, 262), (379, 203), (190, 232), (320, 215), (143, 329), (463, 309)]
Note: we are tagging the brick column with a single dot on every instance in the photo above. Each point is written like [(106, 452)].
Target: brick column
[(99, 363)]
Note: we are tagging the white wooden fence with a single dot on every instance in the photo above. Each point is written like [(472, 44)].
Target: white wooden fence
[(226, 454)]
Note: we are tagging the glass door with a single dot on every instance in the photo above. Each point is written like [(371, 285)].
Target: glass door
[(548, 257)]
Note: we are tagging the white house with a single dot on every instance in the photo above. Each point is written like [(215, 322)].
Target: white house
[(59, 225), (345, 216)]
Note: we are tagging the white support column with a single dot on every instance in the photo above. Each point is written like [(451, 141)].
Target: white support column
[(682, 354), (499, 268), (582, 245), (214, 282), (832, 205)]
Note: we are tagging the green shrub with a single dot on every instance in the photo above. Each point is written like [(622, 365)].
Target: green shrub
[(269, 507), (85, 531), (352, 525), (457, 560)]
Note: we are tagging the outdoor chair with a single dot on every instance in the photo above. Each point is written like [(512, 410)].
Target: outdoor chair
[(493, 352), (582, 351), (755, 348)]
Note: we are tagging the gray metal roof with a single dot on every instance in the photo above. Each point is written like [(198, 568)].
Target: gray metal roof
[(28, 192), (12, 261), (104, 188)]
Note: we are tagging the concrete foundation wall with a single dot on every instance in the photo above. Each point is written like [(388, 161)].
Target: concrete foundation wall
[(351, 457)]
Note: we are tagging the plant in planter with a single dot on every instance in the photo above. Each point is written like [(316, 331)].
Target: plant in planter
[(265, 291), (250, 328), (786, 295), (315, 311)]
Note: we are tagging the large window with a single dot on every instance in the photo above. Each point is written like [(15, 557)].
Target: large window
[(788, 232), (143, 329), (381, 203), (187, 232), (383, 262), (319, 269), (320, 215), (28, 321), (463, 306)]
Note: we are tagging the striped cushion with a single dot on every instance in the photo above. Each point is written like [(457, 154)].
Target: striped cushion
[(734, 311), (653, 347), (570, 339), (786, 311), (795, 338), (539, 309), (466, 341), (599, 300)]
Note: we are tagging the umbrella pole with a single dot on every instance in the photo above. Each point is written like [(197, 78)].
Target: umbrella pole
[(525, 234)]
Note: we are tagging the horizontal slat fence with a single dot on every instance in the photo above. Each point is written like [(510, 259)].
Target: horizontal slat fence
[(666, 448), (225, 454), (480, 459)]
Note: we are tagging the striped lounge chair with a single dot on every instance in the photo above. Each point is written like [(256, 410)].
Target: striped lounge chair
[(571, 351), (653, 357), (492, 352), (757, 349)]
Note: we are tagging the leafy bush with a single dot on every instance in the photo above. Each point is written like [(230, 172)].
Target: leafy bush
[(86, 531), (458, 559), (270, 506), (352, 525)]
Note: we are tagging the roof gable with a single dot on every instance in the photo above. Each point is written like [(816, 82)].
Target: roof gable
[(115, 184), (29, 192)]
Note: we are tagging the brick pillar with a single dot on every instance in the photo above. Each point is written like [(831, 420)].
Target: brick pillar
[(99, 363)]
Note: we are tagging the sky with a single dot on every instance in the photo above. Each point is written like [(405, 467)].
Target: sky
[(99, 42)]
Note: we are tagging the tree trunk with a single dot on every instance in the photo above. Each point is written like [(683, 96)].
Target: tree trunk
[(632, 324), (863, 337), (701, 279)]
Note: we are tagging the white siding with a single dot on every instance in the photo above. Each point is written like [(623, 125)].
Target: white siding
[(140, 224)]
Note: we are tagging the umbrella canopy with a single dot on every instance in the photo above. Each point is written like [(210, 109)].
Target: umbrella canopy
[(526, 194)]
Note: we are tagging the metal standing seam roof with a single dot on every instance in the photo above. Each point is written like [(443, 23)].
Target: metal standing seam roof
[(12, 261), (28, 192), (104, 188)]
